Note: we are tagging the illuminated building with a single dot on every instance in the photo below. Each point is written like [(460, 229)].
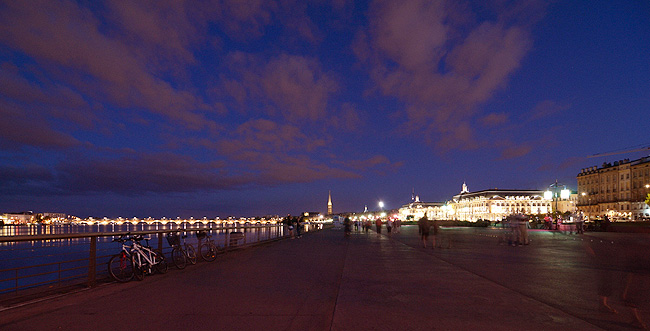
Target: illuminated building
[(416, 209), (18, 218), (615, 190), (494, 205)]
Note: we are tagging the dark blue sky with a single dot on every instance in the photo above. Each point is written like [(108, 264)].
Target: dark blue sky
[(246, 108)]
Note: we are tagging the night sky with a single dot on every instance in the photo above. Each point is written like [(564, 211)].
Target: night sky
[(248, 108)]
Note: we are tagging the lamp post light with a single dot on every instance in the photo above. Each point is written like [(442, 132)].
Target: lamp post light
[(564, 194), (588, 204), (381, 205)]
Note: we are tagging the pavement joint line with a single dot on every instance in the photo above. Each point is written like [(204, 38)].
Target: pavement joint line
[(46, 298), (338, 286), (550, 305)]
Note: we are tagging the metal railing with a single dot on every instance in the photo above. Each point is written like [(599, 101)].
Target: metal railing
[(32, 264)]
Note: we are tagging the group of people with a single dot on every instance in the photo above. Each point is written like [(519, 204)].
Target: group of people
[(294, 224), (518, 225), (366, 225), (576, 222)]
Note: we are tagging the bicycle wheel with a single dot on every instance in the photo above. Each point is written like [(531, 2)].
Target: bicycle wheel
[(138, 272), (208, 252), (161, 262), (190, 253), (139, 268), (179, 259), (120, 267)]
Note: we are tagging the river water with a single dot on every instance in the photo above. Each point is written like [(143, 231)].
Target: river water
[(68, 258)]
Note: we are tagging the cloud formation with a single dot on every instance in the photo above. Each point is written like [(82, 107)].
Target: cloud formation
[(441, 62)]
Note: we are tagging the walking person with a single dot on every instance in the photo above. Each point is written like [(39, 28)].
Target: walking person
[(580, 223), (389, 225), (398, 225), (298, 223), (548, 222), (423, 228), (378, 225), (523, 229), (347, 225), (436, 228)]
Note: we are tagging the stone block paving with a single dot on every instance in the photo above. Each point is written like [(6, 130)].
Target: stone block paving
[(326, 281)]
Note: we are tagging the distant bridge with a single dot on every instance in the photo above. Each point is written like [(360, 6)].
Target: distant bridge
[(148, 221)]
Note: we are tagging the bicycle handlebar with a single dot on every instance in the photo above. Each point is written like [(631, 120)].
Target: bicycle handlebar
[(122, 238)]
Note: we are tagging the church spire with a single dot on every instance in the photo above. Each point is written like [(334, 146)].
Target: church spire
[(329, 203)]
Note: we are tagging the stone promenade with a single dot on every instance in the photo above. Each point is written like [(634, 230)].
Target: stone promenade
[(325, 281)]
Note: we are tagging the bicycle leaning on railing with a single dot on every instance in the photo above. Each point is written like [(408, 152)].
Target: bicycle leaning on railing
[(181, 253), (135, 260), (208, 249), (120, 266)]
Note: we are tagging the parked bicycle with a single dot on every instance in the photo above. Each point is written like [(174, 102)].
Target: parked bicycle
[(135, 260), (120, 266), (145, 259), (208, 249), (181, 253)]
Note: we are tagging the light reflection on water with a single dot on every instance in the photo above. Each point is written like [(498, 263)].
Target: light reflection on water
[(26, 254)]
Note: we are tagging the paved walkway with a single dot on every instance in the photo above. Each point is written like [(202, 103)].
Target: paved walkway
[(324, 281)]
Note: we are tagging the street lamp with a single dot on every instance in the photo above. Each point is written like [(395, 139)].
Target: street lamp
[(564, 194), (584, 194), (381, 205)]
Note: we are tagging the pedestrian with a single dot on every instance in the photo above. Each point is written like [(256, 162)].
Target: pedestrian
[(436, 228), (298, 222), (289, 222), (580, 223), (378, 225), (347, 226), (548, 222), (515, 231), (398, 225), (423, 228), (523, 229), (389, 225)]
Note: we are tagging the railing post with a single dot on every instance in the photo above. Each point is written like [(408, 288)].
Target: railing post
[(92, 262), (160, 242)]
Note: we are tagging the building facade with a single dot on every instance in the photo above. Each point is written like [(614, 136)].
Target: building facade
[(416, 209), (494, 205), (615, 190), (18, 218), (491, 205)]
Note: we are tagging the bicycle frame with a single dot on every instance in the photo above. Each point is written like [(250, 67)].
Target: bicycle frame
[(141, 252)]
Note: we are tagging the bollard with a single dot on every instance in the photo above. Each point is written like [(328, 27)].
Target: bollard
[(92, 262)]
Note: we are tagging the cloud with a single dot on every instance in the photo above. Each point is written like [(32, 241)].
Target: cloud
[(19, 128), (246, 19), (268, 136), (441, 63), (513, 152), (281, 153), (12, 177), (141, 172), (74, 46), (294, 87), (494, 119), (547, 108)]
